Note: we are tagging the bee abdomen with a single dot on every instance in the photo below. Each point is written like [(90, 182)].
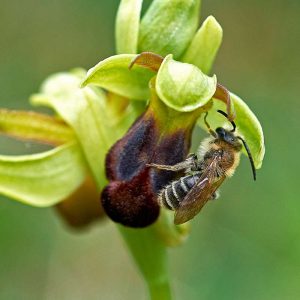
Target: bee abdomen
[(174, 193)]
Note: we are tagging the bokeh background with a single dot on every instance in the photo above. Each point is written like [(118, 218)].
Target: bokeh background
[(244, 246)]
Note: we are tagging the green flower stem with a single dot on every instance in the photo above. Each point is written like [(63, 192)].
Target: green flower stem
[(150, 255), (160, 291)]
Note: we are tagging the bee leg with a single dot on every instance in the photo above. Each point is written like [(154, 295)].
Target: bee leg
[(174, 168), (192, 155), (189, 163)]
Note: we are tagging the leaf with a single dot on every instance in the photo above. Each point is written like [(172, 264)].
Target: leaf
[(34, 126), (127, 26), (247, 124), (114, 75), (168, 26), (182, 86), (42, 179), (205, 45), (84, 111)]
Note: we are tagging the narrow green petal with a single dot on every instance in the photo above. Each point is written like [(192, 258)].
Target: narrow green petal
[(127, 26), (247, 124), (84, 111), (182, 86), (42, 179), (205, 45), (34, 126), (168, 26), (114, 75)]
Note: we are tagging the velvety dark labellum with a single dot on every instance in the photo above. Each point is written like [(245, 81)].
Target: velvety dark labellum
[(131, 196), (131, 203), (130, 154)]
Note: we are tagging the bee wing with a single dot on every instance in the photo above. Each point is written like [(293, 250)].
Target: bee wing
[(199, 194)]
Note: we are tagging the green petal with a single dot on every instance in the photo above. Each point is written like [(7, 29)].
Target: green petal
[(42, 179), (127, 26), (27, 125), (182, 86), (114, 75), (205, 45), (247, 124), (168, 26), (84, 110)]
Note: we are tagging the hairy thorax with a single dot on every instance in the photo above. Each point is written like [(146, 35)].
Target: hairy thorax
[(228, 157)]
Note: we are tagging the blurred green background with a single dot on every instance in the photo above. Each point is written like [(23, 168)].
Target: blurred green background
[(244, 246)]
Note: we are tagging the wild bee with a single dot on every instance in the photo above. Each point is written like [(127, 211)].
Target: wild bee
[(217, 158)]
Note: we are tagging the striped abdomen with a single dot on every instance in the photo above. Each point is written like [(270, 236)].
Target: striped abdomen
[(174, 193)]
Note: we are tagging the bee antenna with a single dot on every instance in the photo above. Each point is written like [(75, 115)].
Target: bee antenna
[(225, 115), (208, 127), (249, 156)]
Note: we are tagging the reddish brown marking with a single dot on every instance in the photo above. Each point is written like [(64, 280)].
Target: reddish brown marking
[(148, 60), (223, 95)]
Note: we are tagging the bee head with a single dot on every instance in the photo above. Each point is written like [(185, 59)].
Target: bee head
[(228, 137)]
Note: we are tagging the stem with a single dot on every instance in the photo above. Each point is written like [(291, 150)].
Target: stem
[(150, 255), (160, 291)]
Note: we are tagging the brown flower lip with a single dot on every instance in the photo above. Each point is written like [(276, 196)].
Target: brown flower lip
[(131, 195)]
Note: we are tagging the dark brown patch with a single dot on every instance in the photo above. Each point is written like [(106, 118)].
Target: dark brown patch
[(130, 154), (131, 203), (171, 150)]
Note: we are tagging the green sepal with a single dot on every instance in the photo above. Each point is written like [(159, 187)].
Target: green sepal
[(29, 125), (205, 45), (168, 26), (183, 86), (113, 74), (247, 124), (43, 179), (127, 26), (84, 110)]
